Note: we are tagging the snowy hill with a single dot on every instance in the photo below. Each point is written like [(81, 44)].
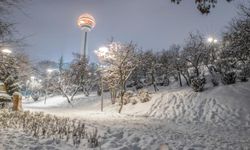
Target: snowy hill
[(220, 105)]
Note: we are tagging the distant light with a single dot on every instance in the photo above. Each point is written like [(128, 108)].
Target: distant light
[(50, 70), (215, 40), (40, 80), (7, 51), (210, 39), (32, 77)]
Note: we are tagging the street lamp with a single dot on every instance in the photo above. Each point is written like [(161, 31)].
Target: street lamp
[(212, 40), (49, 71), (7, 51), (32, 78), (86, 23), (102, 52)]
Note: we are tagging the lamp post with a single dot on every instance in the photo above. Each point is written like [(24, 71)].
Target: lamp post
[(86, 23), (212, 44), (49, 71), (102, 52)]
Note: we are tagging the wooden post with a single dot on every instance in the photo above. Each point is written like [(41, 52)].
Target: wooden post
[(17, 102)]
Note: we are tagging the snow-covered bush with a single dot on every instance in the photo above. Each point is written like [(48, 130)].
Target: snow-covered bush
[(198, 83), (214, 82), (35, 96), (243, 76), (144, 96), (127, 96), (134, 100), (229, 78)]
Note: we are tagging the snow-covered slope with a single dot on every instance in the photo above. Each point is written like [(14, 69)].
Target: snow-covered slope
[(220, 105)]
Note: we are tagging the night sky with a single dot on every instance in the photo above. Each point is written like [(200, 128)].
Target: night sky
[(152, 24)]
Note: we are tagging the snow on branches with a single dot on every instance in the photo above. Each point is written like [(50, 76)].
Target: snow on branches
[(119, 61)]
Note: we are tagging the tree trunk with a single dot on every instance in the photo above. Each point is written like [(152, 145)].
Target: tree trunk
[(113, 95), (68, 99), (122, 95), (179, 76), (186, 78), (197, 71)]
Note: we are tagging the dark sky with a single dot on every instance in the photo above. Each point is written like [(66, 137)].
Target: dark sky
[(152, 24)]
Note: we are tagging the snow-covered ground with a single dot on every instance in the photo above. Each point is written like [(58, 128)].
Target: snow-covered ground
[(218, 118)]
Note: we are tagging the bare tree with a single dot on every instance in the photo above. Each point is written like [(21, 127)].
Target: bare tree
[(204, 6)]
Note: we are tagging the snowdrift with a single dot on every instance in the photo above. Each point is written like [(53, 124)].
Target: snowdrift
[(220, 105)]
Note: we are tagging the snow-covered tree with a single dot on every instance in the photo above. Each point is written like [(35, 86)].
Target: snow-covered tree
[(236, 40), (9, 73), (177, 65), (151, 66), (119, 61), (70, 80), (194, 52), (7, 28)]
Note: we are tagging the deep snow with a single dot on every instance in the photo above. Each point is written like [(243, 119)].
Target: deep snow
[(218, 118)]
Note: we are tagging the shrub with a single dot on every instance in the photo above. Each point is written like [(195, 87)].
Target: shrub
[(49, 126), (35, 97), (242, 76), (198, 84), (228, 78), (144, 96), (133, 100), (214, 82)]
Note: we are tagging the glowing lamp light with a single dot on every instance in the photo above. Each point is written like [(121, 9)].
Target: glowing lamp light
[(86, 22), (210, 39), (102, 52), (103, 49), (50, 70), (7, 51)]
